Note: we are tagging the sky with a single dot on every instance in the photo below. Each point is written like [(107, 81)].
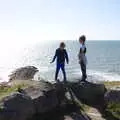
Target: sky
[(24, 21)]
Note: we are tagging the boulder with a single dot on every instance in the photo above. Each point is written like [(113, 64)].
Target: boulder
[(16, 107), (40, 97), (23, 73), (88, 93), (112, 96), (43, 95)]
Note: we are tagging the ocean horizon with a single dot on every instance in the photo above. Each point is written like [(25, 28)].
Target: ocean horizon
[(103, 59)]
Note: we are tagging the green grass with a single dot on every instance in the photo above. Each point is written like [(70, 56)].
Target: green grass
[(112, 83), (4, 91), (114, 108), (14, 85)]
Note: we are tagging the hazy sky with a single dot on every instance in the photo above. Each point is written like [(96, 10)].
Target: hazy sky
[(37, 20)]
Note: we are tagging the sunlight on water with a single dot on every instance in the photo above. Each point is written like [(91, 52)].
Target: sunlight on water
[(102, 62)]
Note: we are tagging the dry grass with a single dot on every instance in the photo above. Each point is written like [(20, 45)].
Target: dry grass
[(113, 84), (13, 87)]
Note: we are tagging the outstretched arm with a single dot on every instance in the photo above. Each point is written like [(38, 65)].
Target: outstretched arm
[(54, 57), (66, 57)]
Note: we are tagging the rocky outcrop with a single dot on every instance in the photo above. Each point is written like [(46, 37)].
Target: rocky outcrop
[(38, 98), (43, 95), (112, 96), (88, 93), (16, 107), (23, 73)]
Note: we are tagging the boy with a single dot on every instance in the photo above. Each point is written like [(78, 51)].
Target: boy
[(82, 57), (61, 55)]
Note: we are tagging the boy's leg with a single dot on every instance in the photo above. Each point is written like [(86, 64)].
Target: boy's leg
[(83, 69), (57, 71), (63, 70)]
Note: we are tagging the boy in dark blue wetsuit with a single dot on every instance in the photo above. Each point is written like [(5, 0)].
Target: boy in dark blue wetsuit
[(61, 55)]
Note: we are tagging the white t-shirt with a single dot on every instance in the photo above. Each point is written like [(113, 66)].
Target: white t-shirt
[(81, 54)]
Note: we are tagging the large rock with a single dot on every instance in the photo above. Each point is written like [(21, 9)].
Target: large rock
[(112, 96), (23, 73), (40, 97), (43, 95), (16, 107), (88, 93)]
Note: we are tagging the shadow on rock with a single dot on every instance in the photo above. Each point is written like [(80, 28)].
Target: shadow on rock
[(93, 95), (64, 112)]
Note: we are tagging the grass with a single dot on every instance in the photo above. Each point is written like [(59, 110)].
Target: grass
[(112, 84), (4, 91), (114, 108), (13, 87)]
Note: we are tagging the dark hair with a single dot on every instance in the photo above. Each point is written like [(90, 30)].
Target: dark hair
[(83, 38), (62, 44)]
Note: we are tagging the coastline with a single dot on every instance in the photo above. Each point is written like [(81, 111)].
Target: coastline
[(22, 83), (8, 88), (113, 107)]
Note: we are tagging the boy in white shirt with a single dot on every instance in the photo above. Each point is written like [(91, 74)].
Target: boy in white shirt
[(82, 57)]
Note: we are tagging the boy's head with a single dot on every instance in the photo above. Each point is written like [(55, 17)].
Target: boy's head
[(82, 39), (62, 45)]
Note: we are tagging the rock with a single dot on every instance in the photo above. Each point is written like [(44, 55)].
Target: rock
[(17, 107), (23, 73), (88, 93), (40, 98), (43, 95), (60, 90), (76, 116), (112, 96)]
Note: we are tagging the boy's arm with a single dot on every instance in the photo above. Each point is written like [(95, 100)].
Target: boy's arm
[(85, 50), (54, 56), (66, 57)]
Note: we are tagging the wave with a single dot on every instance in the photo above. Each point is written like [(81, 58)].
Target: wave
[(94, 75)]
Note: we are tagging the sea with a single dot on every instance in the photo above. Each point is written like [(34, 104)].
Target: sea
[(103, 59)]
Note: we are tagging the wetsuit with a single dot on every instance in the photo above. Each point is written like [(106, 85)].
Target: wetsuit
[(61, 56)]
